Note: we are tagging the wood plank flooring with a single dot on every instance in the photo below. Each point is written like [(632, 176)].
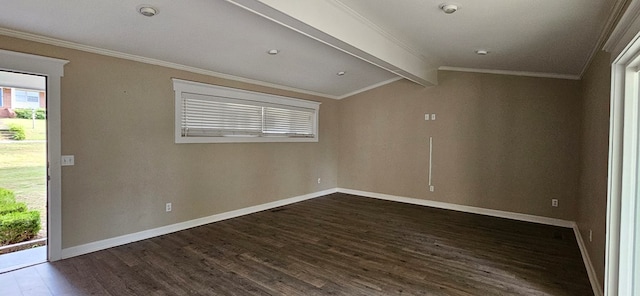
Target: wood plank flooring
[(334, 245)]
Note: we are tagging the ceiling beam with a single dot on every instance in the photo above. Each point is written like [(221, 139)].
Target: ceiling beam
[(331, 22)]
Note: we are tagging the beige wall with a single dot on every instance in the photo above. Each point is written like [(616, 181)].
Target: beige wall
[(592, 205), (118, 121), (500, 142)]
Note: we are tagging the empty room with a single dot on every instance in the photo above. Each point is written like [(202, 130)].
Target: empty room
[(326, 147)]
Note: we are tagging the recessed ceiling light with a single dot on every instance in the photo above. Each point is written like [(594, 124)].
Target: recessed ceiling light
[(147, 10), (273, 51), (449, 8), (341, 73), (482, 52)]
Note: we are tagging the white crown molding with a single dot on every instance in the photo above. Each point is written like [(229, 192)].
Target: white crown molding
[(370, 87), (146, 234), (141, 59), (626, 30), (512, 73), (615, 13)]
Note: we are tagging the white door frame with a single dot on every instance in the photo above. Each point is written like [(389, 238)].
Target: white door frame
[(53, 69), (622, 268)]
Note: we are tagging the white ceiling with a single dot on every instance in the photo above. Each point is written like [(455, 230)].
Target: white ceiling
[(546, 37)]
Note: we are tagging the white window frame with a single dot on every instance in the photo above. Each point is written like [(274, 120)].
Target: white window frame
[(1, 97), (184, 87)]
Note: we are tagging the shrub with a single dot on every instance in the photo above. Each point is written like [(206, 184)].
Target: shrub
[(23, 113), (26, 113), (16, 223), (6, 196), (12, 208), (8, 202), (18, 131), (19, 226)]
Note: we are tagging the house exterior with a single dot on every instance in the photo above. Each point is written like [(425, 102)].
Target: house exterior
[(18, 98)]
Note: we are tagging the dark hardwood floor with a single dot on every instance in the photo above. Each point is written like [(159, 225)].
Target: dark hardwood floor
[(334, 245)]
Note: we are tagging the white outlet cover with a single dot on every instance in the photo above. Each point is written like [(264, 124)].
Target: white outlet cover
[(67, 160)]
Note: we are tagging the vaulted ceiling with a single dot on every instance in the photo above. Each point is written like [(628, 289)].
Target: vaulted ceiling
[(372, 41)]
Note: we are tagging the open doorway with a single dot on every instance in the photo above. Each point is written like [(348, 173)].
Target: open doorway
[(23, 170)]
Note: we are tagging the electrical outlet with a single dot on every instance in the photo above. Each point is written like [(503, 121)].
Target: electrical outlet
[(432, 188), (554, 202), (167, 207), (319, 180), (590, 235)]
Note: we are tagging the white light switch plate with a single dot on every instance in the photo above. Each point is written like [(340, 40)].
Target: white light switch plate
[(67, 160)]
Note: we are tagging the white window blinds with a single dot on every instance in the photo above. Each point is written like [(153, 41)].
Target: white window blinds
[(207, 113)]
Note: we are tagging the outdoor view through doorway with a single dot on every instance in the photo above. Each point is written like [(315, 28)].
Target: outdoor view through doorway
[(23, 170)]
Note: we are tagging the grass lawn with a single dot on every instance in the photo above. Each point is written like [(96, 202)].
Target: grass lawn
[(37, 133), (23, 167)]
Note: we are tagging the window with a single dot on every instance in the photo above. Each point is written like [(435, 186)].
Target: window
[(25, 99), (214, 114), (1, 96)]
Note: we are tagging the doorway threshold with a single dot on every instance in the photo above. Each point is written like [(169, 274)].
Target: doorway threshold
[(22, 259)]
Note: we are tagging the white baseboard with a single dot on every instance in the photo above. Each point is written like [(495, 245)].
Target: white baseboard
[(461, 208), (138, 236), (146, 234), (595, 284)]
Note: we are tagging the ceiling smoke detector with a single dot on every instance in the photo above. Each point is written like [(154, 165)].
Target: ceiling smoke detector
[(341, 73), (273, 51), (147, 11), (482, 52), (449, 8)]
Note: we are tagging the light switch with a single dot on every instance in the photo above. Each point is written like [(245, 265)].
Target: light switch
[(426, 117), (433, 116), (67, 160)]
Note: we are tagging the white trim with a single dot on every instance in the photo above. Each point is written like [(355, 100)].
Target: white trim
[(394, 79), (624, 31), (387, 54), (462, 208), (146, 234), (614, 14), (184, 88), (595, 285), (591, 272), (622, 190), (373, 26), (513, 73), (141, 59), (53, 69)]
